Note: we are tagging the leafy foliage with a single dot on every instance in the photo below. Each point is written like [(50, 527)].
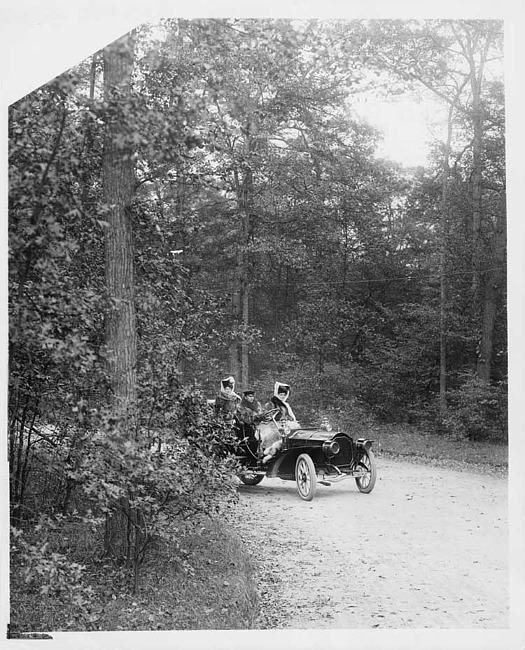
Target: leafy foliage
[(479, 411), (38, 566)]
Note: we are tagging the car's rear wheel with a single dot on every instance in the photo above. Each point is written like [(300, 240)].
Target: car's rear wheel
[(367, 464), (306, 477), (250, 478)]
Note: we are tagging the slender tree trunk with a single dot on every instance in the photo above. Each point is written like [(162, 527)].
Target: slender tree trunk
[(486, 295), (239, 350), (476, 72), (247, 200), (443, 265), (245, 364), (492, 298), (236, 313), (443, 320), (477, 212)]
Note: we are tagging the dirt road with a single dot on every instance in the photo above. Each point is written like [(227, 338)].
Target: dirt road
[(426, 549)]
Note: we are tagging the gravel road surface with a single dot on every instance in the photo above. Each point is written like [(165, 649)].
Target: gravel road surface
[(426, 549)]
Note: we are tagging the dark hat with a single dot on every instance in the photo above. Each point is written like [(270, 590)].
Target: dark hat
[(283, 389), (248, 391)]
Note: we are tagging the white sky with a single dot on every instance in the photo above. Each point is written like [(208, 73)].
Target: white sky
[(408, 127)]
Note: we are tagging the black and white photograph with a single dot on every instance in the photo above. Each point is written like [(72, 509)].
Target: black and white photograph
[(260, 310)]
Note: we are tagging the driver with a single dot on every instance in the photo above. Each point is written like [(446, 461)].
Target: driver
[(249, 409), (249, 415)]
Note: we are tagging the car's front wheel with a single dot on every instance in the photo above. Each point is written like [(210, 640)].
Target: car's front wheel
[(367, 465), (306, 477)]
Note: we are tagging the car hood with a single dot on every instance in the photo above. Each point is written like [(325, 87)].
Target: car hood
[(314, 433)]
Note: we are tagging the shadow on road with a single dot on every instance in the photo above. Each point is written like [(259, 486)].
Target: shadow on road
[(287, 490)]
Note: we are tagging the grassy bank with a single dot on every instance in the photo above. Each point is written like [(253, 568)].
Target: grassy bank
[(212, 587)]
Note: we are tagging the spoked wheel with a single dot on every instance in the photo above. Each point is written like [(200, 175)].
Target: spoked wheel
[(306, 477), (250, 478), (367, 463)]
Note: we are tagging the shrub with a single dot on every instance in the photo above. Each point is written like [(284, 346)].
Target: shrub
[(478, 410), (149, 484)]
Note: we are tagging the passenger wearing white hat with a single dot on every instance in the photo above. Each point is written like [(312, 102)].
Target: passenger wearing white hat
[(227, 401)]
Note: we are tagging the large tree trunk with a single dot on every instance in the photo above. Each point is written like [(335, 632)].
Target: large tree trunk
[(118, 181), (124, 534)]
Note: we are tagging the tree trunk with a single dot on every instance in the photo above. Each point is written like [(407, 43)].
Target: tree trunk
[(118, 185), (492, 298), (247, 225), (118, 182), (486, 298), (477, 145), (443, 266), (476, 72), (236, 313), (239, 350), (445, 207), (245, 360)]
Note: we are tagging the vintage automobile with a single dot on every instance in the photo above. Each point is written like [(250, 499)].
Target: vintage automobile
[(308, 456)]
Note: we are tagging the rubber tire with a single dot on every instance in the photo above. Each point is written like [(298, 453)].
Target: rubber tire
[(251, 479), (366, 488), (305, 477)]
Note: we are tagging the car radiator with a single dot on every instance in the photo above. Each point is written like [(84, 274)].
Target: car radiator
[(345, 455)]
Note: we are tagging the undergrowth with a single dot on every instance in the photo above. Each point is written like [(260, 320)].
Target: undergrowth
[(410, 442), (209, 586)]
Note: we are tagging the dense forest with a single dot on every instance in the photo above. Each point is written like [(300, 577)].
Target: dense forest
[(201, 199)]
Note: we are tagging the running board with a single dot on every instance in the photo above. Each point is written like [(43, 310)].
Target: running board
[(338, 479)]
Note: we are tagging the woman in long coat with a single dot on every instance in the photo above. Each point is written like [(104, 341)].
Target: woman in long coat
[(279, 399), (270, 439), (227, 401)]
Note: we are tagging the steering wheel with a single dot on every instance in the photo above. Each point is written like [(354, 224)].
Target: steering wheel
[(266, 414)]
